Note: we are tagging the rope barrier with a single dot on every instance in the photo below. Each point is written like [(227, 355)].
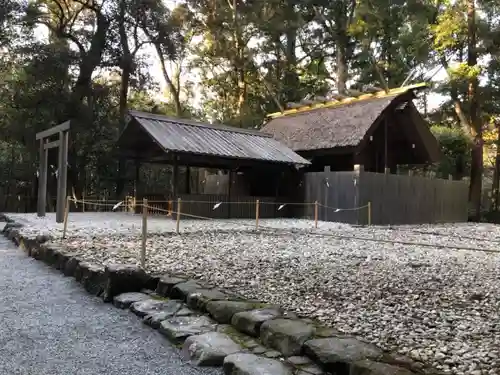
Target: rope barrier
[(94, 203), (214, 219), (338, 209), (114, 202), (240, 202), (407, 243), (472, 238), (311, 232)]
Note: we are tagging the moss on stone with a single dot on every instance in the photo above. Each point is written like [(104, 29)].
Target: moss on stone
[(235, 335), (158, 297)]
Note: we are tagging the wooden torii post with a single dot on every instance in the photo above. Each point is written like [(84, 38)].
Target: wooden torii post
[(62, 131)]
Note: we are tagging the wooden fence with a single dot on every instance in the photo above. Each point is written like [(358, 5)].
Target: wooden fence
[(395, 199), (202, 205)]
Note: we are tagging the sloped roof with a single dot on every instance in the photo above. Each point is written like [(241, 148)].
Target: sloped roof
[(185, 136), (341, 123)]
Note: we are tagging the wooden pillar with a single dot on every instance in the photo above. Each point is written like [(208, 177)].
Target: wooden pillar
[(62, 176), (358, 171), (385, 144), (137, 185), (229, 185), (188, 180), (42, 180), (175, 177)]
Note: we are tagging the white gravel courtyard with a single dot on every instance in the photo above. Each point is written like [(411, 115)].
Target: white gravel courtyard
[(432, 295)]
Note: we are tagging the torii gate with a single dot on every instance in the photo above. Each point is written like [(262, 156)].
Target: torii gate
[(62, 166)]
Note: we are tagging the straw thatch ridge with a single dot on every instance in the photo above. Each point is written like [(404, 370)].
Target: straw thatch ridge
[(328, 127)]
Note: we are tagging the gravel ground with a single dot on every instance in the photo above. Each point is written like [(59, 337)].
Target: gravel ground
[(50, 326), (430, 299)]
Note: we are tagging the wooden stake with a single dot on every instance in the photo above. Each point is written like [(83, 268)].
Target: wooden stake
[(178, 215), (369, 213), (66, 214), (144, 231), (257, 204), (316, 214)]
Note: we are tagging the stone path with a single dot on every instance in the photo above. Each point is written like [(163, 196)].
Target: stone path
[(49, 326)]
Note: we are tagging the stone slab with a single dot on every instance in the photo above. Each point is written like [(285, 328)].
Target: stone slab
[(154, 320), (166, 283), (272, 354), (251, 364), (286, 335), (123, 278), (182, 290), (124, 300), (179, 328), (63, 258), (209, 349), (71, 265), (223, 311), (249, 322), (80, 269), (199, 298), (51, 253), (154, 306), (367, 367), (312, 369), (93, 279), (298, 360), (337, 354)]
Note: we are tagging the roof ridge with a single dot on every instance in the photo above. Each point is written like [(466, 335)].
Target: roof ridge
[(188, 122), (345, 101)]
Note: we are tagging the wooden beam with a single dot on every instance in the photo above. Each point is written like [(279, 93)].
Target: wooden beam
[(62, 176), (42, 181), (54, 144), (229, 185), (175, 177), (188, 180), (54, 130)]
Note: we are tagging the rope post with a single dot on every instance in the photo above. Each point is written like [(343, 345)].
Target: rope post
[(369, 213), (66, 214), (144, 231), (178, 215), (316, 214), (83, 203), (257, 205)]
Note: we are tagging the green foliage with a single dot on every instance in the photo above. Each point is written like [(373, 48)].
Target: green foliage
[(455, 147)]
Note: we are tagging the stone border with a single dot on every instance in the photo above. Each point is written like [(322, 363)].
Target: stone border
[(216, 327)]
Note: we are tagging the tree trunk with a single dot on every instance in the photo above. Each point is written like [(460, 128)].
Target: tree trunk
[(342, 73), (126, 66), (496, 174), (174, 91), (476, 175), (291, 79)]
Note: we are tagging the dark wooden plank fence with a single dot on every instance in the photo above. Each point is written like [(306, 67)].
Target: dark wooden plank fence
[(241, 207), (332, 190), (395, 199), (202, 205)]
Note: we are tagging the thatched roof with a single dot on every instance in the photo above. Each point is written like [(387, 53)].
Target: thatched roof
[(335, 124)]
